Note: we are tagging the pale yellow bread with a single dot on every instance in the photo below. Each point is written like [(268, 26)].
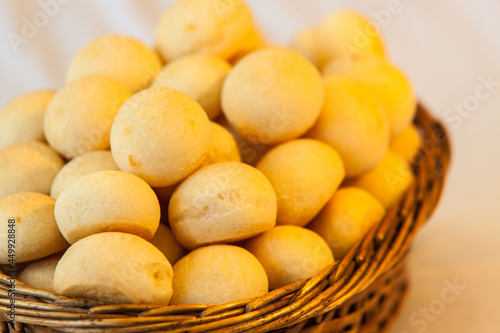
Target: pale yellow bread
[(164, 240), (160, 135), (407, 144), (218, 274), (199, 76), (34, 234), (346, 219), (223, 29), (79, 117), (28, 167), (304, 173), (107, 201), (122, 58), (388, 181), (394, 90), (115, 267), (40, 274), (221, 203), (354, 123), (21, 120), (290, 254), (98, 160), (272, 95)]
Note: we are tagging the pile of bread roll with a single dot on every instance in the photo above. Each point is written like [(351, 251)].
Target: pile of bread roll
[(211, 168)]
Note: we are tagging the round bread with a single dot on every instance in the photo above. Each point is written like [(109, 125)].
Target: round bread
[(347, 34), (198, 76), (394, 90), (346, 219), (80, 166), (165, 241), (40, 274), (388, 181), (124, 59), (290, 254), (115, 267), (107, 201), (407, 143), (21, 120), (34, 233), (306, 44), (79, 117), (160, 135), (223, 147), (272, 95), (207, 27), (221, 203), (28, 167), (304, 173), (218, 274), (354, 123)]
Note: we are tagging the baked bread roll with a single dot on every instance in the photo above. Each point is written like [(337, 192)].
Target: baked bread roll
[(354, 123), (30, 227), (80, 166), (272, 95), (218, 274), (407, 143), (388, 181), (199, 76), (223, 147), (79, 117), (124, 59), (107, 201), (290, 254), (221, 203), (28, 167), (206, 27), (304, 173), (115, 267), (394, 90), (346, 219), (40, 274), (21, 120), (164, 240), (160, 135)]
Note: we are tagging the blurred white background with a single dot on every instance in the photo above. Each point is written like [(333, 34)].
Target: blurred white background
[(447, 47)]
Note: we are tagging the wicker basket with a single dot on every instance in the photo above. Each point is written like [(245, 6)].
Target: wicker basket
[(361, 293)]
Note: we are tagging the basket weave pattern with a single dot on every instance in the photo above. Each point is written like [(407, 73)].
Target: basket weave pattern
[(360, 293)]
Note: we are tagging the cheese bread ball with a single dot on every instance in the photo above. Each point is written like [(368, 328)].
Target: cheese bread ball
[(199, 76), (98, 160), (290, 254), (221, 203), (346, 34), (79, 117), (223, 147), (124, 59), (107, 201), (346, 218), (394, 90), (160, 135), (40, 274), (354, 123), (388, 181), (218, 274), (21, 120), (165, 241), (306, 44), (28, 167), (304, 173), (207, 27), (407, 143), (34, 229), (115, 267), (272, 95)]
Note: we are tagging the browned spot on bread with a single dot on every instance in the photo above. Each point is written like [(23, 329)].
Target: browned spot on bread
[(191, 27), (133, 162)]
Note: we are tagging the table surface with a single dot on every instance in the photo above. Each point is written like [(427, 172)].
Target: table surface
[(447, 47)]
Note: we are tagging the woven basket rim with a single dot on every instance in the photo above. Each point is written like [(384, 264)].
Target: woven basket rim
[(385, 245)]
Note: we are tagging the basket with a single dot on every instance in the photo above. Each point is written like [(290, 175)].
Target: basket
[(360, 293)]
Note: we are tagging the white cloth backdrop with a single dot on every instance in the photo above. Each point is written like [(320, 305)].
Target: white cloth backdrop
[(448, 48)]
